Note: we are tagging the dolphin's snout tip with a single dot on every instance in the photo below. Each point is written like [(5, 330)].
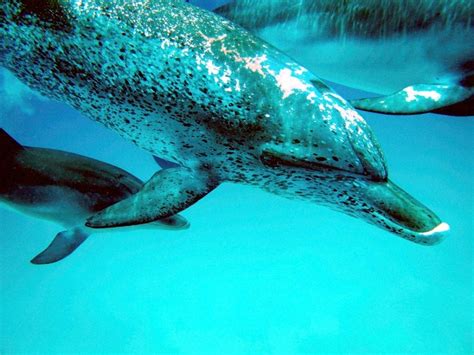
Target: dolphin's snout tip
[(435, 235), (441, 228)]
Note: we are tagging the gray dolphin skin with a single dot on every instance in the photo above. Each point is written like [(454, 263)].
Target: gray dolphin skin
[(65, 188), (419, 54), (195, 89)]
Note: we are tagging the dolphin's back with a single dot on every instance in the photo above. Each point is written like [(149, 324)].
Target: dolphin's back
[(146, 71)]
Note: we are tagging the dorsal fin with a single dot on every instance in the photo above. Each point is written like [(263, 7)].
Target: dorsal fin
[(7, 144), (165, 164)]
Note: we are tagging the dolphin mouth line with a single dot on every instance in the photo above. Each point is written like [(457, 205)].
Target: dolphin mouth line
[(431, 237), (271, 160)]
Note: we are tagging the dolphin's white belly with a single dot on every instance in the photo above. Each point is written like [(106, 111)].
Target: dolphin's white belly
[(383, 65), (57, 204)]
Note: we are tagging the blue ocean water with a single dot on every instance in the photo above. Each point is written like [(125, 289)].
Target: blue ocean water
[(255, 272)]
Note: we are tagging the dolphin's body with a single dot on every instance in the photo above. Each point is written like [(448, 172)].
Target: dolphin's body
[(420, 53), (65, 188), (193, 88)]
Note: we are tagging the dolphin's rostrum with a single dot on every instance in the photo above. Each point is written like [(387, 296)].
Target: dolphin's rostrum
[(193, 88)]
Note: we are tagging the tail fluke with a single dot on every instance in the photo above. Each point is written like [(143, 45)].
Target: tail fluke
[(62, 245)]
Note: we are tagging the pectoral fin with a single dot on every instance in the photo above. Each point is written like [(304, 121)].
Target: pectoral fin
[(168, 192), (454, 100), (62, 245)]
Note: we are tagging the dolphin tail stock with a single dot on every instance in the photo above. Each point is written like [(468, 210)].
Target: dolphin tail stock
[(446, 99), (62, 245), (168, 192), (395, 210)]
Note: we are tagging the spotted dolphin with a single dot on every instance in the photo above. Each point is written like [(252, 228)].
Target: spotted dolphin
[(196, 89), (419, 54), (65, 188)]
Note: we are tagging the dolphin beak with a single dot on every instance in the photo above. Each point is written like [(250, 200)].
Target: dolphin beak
[(395, 210)]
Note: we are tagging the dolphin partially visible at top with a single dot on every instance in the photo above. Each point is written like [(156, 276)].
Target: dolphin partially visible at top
[(194, 88), (65, 188), (419, 54)]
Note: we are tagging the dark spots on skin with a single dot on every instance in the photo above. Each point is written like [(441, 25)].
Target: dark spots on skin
[(129, 96)]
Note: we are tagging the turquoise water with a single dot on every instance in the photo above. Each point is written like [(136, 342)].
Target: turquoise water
[(255, 272)]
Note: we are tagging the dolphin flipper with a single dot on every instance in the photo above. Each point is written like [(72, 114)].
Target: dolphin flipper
[(62, 245), (168, 192), (455, 100)]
